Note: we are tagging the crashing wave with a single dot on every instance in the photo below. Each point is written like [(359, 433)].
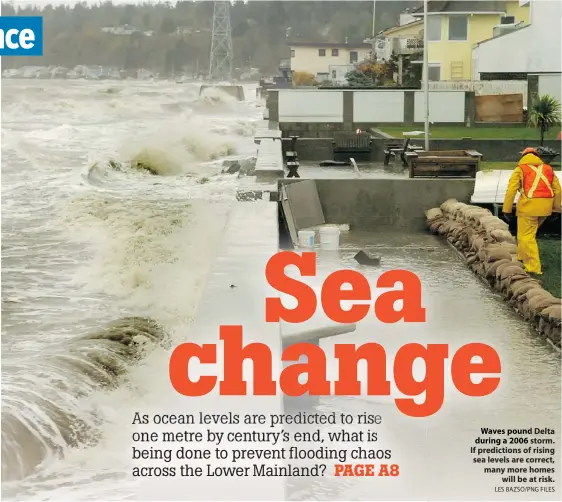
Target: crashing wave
[(42, 412)]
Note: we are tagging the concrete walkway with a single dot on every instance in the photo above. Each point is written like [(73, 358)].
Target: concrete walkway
[(250, 240)]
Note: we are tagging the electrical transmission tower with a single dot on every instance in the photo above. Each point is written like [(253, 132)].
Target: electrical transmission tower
[(220, 66)]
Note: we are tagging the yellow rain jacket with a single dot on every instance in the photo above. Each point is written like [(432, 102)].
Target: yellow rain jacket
[(530, 206)]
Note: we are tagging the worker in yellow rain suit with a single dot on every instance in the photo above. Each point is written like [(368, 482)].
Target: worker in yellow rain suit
[(539, 196)]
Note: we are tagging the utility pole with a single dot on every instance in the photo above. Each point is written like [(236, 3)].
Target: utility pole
[(374, 8), (425, 76), (220, 66)]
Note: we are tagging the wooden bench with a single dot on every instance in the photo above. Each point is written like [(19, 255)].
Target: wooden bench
[(444, 164), (292, 159), (347, 145)]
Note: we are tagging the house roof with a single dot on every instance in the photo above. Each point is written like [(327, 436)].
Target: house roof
[(396, 29), (335, 45), (499, 36), (451, 7)]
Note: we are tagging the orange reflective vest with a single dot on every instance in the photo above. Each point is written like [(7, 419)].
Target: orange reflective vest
[(537, 181)]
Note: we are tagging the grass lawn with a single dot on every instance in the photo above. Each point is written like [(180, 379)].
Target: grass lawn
[(487, 132), (550, 253), (508, 166)]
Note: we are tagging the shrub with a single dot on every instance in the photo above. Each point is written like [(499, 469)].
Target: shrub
[(301, 78)]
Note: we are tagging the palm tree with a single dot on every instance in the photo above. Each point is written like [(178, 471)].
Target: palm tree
[(544, 114)]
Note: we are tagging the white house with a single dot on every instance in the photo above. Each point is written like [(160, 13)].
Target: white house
[(386, 42), (532, 50), (324, 59), (120, 30)]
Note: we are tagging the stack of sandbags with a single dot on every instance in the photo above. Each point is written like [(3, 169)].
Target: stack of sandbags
[(490, 251)]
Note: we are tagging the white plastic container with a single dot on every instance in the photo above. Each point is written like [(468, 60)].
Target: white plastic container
[(330, 238), (306, 238)]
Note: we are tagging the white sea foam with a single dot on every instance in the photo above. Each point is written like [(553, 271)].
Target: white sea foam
[(85, 244)]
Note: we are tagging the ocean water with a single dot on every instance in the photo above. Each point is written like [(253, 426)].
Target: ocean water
[(86, 242)]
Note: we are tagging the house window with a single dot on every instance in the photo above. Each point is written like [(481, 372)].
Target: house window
[(458, 27), (334, 74), (335, 52), (292, 53), (434, 28), (433, 72), (353, 57), (321, 52)]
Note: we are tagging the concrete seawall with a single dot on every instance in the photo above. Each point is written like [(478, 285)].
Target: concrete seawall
[(491, 149), (372, 204), (269, 162), (236, 91)]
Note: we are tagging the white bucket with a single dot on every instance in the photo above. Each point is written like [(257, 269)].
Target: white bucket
[(330, 238), (306, 238)]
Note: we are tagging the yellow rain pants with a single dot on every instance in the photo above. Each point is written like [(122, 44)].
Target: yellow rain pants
[(527, 248), (531, 213)]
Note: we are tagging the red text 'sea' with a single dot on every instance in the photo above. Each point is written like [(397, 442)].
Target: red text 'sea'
[(233, 383)]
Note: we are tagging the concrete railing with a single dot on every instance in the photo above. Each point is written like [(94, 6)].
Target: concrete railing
[(372, 204), (269, 162)]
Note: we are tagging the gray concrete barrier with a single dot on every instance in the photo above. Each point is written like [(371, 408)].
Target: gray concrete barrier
[(236, 91), (371, 204), (269, 163)]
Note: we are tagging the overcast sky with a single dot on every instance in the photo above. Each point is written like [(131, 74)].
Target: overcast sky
[(72, 2)]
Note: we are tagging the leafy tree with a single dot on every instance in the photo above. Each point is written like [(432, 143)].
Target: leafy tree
[(358, 78), (544, 114)]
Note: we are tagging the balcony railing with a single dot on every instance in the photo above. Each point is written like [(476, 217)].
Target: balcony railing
[(404, 46), (414, 43)]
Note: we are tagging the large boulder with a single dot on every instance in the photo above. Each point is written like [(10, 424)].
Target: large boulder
[(230, 166), (248, 166)]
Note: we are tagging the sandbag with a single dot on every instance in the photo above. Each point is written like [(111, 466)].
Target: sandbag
[(493, 266), (477, 244), (493, 223), (538, 292), (433, 213), (455, 207), (501, 268), (522, 287), (512, 269), (532, 295), (553, 312), (436, 224), (538, 303), (497, 254), (505, 246), (446, 205), (508, 281), (515, 278), (502, 236)]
